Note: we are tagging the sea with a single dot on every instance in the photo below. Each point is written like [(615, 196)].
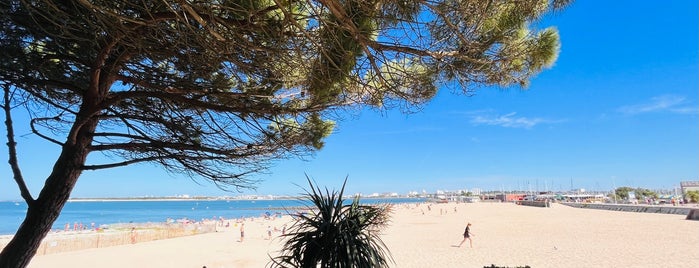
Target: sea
[(106, 212)]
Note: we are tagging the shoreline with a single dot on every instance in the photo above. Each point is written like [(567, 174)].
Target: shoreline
[(603, 206), (209, 198), (108, 212), (119, 234), (425, 235)]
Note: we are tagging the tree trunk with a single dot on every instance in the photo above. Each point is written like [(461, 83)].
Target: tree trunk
[(43, 212), (40, 217)]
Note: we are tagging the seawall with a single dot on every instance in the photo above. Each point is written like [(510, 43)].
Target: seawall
[(635, 208), (541, 204)]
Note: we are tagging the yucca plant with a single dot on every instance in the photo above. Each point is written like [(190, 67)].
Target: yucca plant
[(334, 234)]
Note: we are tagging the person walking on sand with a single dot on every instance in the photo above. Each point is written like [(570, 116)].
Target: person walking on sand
[(242, 231), (467, 235), (133, 235)]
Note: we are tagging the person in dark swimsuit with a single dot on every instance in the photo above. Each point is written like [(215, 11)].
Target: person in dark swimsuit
[(467, 235), (242, 231)]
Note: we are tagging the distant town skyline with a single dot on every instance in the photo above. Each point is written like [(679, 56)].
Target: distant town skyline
[(619, 108)]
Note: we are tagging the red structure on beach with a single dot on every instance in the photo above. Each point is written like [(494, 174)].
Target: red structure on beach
[(510, 197)]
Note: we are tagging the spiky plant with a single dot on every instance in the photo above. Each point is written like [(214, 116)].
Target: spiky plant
[(334, 234)]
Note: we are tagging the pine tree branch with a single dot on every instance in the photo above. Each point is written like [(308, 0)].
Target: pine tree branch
[(36, 131), (12, 148), (121, 164)]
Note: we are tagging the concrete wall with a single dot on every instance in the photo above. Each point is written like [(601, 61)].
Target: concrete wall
[(634, 208), (542, 204), (693, 214)]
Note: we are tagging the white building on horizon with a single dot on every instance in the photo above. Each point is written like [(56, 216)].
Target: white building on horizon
[(476, 191)]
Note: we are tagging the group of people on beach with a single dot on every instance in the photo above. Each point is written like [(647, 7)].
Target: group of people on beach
[(79, 226), (269, 230), (467, 232)]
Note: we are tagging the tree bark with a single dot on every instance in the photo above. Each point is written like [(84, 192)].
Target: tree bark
[(43, 212)]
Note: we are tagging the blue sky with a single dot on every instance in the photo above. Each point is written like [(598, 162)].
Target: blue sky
[(619, 108)]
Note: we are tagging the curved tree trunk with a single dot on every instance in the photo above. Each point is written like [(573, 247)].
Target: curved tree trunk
[(43, 212), (37, 223)]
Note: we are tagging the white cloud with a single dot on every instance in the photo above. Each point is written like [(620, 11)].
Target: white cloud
[(685, 110), (510, 120), (664, 103)]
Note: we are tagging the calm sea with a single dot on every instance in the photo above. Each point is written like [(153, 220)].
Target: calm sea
[(109, 212)]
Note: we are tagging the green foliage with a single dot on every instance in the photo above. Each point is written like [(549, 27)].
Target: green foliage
[(640, 193), (335, 234), (217, 89), (497, 41), (407, 79), (310, 132), (693, 196), (623, 192), (643, 193)]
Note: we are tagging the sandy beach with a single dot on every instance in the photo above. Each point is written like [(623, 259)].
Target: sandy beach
[(505, 235)]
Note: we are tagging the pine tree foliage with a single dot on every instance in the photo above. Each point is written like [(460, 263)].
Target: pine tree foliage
[(202, 86)]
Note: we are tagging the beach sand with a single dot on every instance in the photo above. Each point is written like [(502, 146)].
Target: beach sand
[(505, 235)]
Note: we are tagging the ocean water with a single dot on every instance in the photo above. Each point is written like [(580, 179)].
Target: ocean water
[(111, 212)]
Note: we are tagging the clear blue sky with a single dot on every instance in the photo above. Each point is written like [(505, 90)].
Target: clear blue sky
[(619, 108)]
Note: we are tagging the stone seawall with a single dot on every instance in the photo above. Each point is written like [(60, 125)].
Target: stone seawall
[(693, 214), (541, 204), (634, 208)]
